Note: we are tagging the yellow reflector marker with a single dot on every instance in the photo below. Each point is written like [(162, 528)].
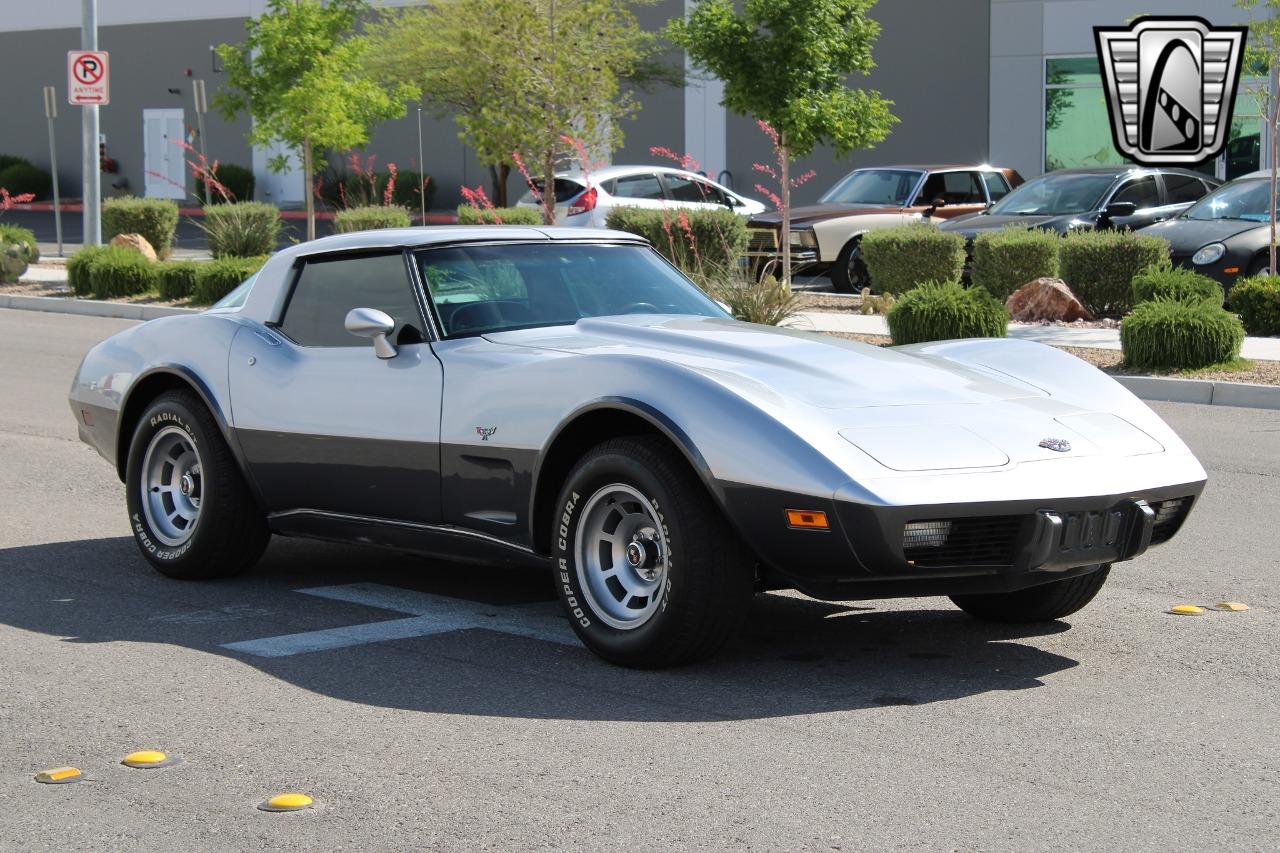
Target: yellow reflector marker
[(59, 776), (1231, 606), (147, 759), (1186, 610), (287, 802), (1230, 270), (807, 519)]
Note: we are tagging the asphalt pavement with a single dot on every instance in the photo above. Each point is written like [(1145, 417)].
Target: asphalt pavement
[(866, 725)]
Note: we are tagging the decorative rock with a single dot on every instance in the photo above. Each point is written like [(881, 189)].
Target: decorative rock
[(1045, 299), (136, 242)]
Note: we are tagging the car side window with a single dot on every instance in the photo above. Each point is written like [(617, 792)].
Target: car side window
[(952, 187), (680, 188), (638, 186), (997, 186), (1141, 191), (1182, 189), (326, 289)]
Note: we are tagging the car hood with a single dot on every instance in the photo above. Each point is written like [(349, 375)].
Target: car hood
[(979, 222), (818, 213), (1188, 235)]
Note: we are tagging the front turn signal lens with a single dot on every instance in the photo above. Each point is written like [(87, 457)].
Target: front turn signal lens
[(806, 519)]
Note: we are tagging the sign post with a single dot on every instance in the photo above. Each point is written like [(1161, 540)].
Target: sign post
[(50, 113), (87, 87), (202, 107)]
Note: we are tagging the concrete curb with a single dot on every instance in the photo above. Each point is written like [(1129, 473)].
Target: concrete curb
[(91, 308)]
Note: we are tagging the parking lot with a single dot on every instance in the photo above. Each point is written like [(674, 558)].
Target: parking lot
[(431, 705)]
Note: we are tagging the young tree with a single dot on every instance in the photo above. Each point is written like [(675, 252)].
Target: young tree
[(785, 62), (298, 74), (1262, 55)]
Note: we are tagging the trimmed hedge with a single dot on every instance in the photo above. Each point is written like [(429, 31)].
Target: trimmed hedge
[(218, 278), (177, 279), (468, 215), (246, 229), (238, 180), (936, 311), (79, 269), (1005, 260), (719, 237), (153, 218), (23, 177), (1173, 335), (1099, 266), (1257, 301), (120, 271), (900, 258), (7, 160), (1166, 282), (370, 219)]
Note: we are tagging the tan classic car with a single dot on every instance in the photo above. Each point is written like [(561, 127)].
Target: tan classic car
[(826, 236)]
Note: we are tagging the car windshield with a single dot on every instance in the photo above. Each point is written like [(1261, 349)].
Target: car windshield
[(1238, 200), (891, 187), (1055, 195), (480, 289)]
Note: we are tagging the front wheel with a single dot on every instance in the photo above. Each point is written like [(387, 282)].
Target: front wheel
[(849, 272), (648, 569), (1042, 603)]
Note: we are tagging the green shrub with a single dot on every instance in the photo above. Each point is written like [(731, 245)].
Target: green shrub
[(719, 238), (942, 311), (177, 279), (245, 229), (24, 237), (358, 192), (1174, 335), (900, 258), (766, 302), (1005, 260), (121, 271), (7, 160), (238, 180), (1163, 281), (468, 215), (370, 219), (1257, 301), (23, 177), (155, 219), (79, 268), (1099, 266), (18, 250), (218, 278)]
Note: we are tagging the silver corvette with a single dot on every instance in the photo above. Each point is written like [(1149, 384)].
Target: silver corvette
[(570, 401)]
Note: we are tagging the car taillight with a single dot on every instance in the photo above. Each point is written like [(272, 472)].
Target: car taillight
[(585, 203)]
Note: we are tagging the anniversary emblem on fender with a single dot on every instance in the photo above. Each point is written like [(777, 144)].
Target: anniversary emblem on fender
[(1171, 86), (485, 432), (1059, 444)]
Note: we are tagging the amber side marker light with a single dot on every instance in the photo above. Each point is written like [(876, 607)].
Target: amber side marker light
[(1231, 270), (807, 519)]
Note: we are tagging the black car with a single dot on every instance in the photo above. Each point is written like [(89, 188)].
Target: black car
[(1225, 234), (1096, 197)]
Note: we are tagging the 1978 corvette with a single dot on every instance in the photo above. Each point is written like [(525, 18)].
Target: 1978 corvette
[(543, 396)]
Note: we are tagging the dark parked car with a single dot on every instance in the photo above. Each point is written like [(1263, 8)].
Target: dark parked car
[(1099, 197), (1225, 234)]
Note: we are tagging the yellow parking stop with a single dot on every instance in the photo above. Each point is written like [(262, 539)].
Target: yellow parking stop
[(59, 776), (147, 759), (1186, 610), (286, 802)]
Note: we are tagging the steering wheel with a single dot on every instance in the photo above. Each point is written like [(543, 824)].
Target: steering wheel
[(640, 308)]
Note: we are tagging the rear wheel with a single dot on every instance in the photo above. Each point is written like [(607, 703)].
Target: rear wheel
[(849, 272), (1042, 603), (646, 565)]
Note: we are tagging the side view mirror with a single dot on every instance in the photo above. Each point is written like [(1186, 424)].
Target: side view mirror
[(372, 323), (1119, 208), (934, 205)]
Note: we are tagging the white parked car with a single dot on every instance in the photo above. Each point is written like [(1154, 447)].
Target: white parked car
[(587, 200)]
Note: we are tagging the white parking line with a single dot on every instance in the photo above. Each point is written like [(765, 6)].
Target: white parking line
[(430, 614)]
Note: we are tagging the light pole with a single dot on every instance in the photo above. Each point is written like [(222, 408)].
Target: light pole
[(92, 178)]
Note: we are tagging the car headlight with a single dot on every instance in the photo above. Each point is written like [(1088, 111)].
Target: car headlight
[(804, 238), (1208, 254)]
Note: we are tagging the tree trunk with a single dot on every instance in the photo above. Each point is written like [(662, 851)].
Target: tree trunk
[(1275, 147), (784, 161), (498, 174), (549, 187), (310, 189)]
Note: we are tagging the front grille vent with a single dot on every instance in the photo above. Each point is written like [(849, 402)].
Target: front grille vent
[(1169, 517), (947, 542), (762, 240)]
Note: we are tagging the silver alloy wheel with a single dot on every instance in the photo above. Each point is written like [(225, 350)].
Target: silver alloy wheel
[(621, 555), (171, 486)]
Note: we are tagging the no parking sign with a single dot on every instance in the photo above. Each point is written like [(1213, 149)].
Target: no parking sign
[(87, 78)]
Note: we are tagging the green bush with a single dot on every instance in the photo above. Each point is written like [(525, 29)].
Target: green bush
[(238, 180), (358, 192), (942, 311), (1163, 281), (1174, 335), (18, 250), (24, 237), (766, 302), (216, 279), (79, 269), (370, 219), (245, 229), (23, 177), (1099, 266), (468, 215), (155, 219), (1005, 260), (121, 271), (177, 279), (900, 258), (7, 160), (719, 238), (1257, 301)]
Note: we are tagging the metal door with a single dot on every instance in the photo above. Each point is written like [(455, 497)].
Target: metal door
[(164, 159)]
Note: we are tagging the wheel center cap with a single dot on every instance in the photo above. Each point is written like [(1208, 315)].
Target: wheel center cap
[(187, 485), (637, 555)]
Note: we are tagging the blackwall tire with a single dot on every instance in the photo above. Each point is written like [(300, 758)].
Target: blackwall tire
[(849, 272), (1043, 603), (190, 511), (648, 570)]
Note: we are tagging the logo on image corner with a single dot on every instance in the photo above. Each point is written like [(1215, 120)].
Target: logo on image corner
[(1171, 86)]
